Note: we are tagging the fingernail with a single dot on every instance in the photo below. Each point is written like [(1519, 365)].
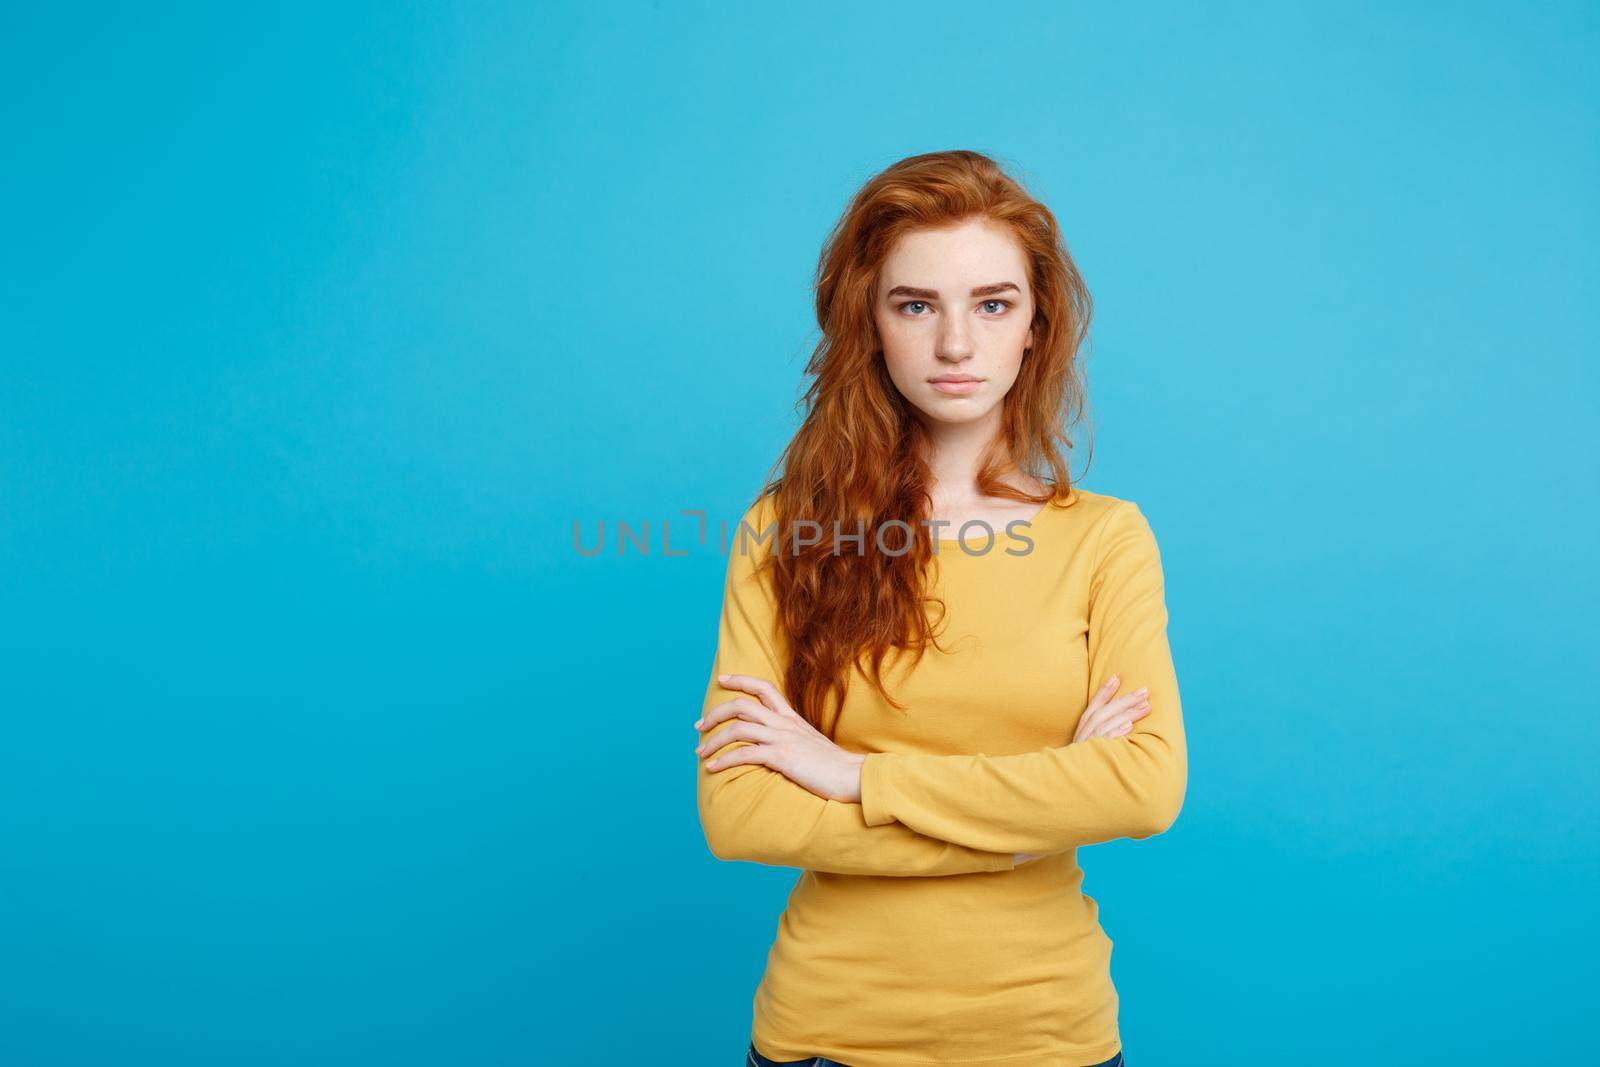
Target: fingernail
[(1143, 689), (697, 723), (1111, 681), (723, 677)]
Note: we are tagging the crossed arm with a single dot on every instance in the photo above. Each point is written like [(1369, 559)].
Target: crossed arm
[(926, 815)]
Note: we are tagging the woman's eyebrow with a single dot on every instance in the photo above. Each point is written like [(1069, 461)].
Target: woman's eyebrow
[(933, 294)]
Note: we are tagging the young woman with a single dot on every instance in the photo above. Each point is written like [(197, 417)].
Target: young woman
[(932, 705)]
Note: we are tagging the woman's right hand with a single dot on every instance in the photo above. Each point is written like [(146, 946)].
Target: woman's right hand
[(1105, 717)]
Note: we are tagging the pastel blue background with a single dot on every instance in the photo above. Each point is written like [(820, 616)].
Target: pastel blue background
[(319, 744)]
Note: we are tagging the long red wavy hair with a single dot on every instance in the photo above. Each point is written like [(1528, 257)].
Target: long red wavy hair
[(861, 455)]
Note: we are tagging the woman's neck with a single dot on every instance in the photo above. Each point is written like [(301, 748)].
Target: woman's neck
[(955, 451)]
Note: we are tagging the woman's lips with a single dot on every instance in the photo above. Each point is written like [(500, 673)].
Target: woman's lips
[(957, 387)]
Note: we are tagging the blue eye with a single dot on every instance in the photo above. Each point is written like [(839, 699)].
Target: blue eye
[(910, 302), (1002, 303)]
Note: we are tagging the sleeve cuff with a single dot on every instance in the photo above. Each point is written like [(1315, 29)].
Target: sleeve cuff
[(875, 791), (1003, 861)]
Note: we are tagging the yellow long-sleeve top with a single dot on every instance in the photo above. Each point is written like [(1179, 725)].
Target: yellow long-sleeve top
[(912, 936)]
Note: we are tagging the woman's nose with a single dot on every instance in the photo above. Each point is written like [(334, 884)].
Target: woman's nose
[(955, 343)]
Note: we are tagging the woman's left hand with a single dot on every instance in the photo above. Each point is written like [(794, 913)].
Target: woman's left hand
[(781, 740)]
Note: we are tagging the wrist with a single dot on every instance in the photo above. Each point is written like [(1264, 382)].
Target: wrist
[(854, 761)]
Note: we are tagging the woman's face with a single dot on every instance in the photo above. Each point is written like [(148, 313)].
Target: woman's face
[(955, 303)]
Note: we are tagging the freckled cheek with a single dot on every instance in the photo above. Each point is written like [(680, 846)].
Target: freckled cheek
[(903, 355)]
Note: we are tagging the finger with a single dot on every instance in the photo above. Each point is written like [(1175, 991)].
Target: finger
[(738, 730), (1123, 724), (1129, 699), (1103, 694), (1108, 711), (1109, 728), (763, 689), (736, 708), (742, 754), (1127, 717), (716, 714), (1120, 710), (1125, 703)]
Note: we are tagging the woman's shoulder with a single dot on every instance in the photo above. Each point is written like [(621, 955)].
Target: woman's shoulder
[(1102, 519), (752, 536), (1092, 505), (761, 513)]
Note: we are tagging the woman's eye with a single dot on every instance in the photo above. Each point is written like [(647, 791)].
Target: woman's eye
[(993, 306)]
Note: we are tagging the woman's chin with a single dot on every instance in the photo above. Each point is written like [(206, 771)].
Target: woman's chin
[(956, 410)]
